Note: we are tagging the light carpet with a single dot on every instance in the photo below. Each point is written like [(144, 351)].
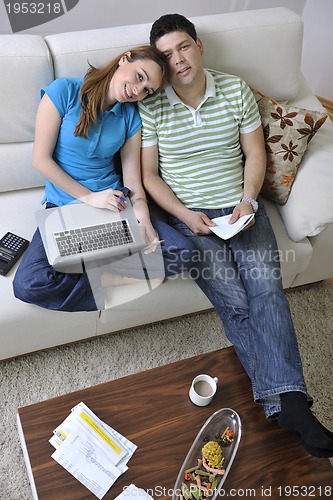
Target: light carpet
[(41, 376)]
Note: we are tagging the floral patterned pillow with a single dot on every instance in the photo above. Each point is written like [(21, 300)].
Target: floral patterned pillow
[(287, 131)]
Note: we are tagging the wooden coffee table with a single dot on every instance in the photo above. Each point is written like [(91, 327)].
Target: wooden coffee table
[(153, 410)]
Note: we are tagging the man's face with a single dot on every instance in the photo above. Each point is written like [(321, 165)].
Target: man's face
[(184, 57)]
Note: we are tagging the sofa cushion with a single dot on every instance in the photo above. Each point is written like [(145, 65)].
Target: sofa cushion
[(255, 44), (309, 208), (16, 171), (25, 66), (288, 131), (230, 40)]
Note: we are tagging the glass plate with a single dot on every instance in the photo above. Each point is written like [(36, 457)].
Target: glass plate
[(216, 424)]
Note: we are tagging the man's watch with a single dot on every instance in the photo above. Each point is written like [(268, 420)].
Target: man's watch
[(253, 202)]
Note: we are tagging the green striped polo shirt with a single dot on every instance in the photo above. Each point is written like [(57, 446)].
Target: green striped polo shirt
[(200, 157)]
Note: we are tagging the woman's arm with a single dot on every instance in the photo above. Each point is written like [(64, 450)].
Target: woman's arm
[(131, 168), (48, 122)]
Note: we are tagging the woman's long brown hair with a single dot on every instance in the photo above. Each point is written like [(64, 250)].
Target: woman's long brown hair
[(97, 81)]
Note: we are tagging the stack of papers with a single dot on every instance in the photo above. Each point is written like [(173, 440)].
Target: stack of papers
[(90, 450)]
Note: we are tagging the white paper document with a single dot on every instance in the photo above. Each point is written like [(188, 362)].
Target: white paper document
[(225, 230), (87, 463), (90, 450)]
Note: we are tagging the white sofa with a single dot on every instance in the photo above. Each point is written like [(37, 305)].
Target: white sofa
[(264, 47)]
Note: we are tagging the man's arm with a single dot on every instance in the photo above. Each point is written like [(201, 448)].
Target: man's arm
[(155, 186), (161, 193), (253, 147)]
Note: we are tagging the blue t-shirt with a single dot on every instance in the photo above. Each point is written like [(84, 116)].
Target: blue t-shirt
[(88, 161)]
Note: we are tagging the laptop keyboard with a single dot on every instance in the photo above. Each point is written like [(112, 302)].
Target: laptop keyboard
[(88, 239)]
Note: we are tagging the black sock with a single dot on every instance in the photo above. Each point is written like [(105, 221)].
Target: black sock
[(297, 417)]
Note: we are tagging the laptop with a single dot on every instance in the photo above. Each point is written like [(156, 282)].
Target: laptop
[(77, 233)]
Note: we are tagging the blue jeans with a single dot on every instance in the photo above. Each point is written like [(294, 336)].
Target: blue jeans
[(242, 279), (37, 282)]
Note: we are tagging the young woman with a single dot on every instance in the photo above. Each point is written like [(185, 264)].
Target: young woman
[(81, 124)]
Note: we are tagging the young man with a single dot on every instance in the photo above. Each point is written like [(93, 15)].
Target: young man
[(203, 156)]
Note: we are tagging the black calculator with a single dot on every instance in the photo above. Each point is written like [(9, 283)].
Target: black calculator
[(11, 249)]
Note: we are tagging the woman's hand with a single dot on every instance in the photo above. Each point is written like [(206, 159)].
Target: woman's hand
[(149, 236), (109, 198)]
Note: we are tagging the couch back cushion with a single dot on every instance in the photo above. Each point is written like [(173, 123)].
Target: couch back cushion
[(263, 46), (25, 65)]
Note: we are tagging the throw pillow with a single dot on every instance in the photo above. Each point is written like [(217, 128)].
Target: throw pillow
[(287, 131)]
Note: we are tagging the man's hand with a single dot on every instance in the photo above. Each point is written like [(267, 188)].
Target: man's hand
[(243, 208), (198, 222)]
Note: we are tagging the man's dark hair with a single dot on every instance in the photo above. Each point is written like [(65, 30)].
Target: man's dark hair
[(169, 23)]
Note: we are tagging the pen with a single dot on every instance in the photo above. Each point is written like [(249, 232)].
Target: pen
[(126, 191)]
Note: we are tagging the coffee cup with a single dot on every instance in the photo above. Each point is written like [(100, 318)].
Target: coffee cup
[(203, 389)]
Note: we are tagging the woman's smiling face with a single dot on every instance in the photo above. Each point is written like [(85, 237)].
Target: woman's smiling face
[(134, 80)]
